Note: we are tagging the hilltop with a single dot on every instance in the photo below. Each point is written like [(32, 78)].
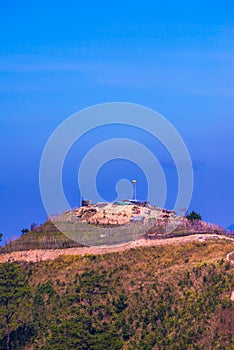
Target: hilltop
[(141, 224), (103, 224)]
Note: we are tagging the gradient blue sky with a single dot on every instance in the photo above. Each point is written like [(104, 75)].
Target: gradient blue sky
[(58, 57)]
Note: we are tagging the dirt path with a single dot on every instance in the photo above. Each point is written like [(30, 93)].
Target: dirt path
[(43, 254), (228, 257)]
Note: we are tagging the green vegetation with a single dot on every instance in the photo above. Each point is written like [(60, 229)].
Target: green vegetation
[(194, 216), (13, 290), (24, 230), (47, 236), (164, 297)]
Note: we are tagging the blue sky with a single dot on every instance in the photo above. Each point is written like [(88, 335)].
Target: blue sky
[(58, 57)]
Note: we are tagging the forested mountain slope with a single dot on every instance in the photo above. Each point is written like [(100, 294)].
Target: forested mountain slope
[(162, 297)]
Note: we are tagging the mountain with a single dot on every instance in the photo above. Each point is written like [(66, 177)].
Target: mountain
[(155, 293), (175, 296)]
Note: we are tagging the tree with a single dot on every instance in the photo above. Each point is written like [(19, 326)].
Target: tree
[(24, 230), (13, 289), (1, 236), (194, 216)]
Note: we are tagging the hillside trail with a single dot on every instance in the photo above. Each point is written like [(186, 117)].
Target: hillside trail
[(52, 254), (230, 259)]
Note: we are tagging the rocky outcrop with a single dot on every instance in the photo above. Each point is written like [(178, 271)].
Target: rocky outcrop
[(160, 221)]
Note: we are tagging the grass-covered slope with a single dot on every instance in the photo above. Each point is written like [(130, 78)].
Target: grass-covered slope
[(47, 236), (165, 297)]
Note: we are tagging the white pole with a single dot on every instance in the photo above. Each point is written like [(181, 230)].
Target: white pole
[(134, 188)]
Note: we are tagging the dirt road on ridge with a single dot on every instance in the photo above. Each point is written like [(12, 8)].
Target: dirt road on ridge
[(43, 254)]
